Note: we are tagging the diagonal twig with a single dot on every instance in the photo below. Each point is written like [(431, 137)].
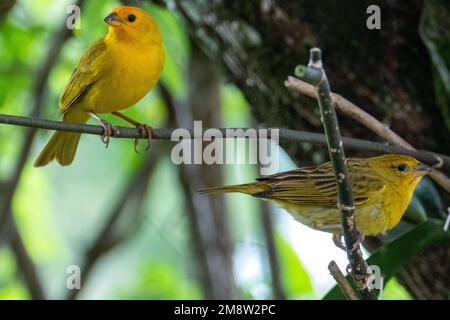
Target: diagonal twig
[(274, 261), (342, 282), (25, 264), (370, 122)]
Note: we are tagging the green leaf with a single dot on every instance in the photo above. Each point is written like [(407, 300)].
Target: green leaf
[(395, 291), (392, 257), (428, 195), (159, 280), (295, 279), (11, 287), (416, 212)]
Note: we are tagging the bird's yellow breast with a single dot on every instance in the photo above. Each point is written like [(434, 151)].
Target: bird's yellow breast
[(133, 73)]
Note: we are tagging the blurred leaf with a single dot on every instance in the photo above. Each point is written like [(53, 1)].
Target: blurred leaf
[(295, 279), (392, 257), (159, 280), (395, 291), (430, 199), (176, 48), (14, 291), (236, 111), (33, 215), (416, 212), (10, 286)]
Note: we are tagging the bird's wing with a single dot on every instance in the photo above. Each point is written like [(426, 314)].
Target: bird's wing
[(317, 186), (84, 76)]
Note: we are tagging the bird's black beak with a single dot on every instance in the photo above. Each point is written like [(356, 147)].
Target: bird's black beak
[(423, 169), (112, 19)]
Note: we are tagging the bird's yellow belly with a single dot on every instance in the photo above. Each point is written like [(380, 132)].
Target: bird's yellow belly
[(370, 219), (127, 84)]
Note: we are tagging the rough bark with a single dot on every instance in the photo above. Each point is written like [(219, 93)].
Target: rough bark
[(260, 42), (426, 275)]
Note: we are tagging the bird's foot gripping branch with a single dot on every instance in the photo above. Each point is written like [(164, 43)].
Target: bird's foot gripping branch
[(314, 74)]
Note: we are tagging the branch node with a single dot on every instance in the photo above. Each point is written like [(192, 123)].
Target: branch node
[(345, 207)]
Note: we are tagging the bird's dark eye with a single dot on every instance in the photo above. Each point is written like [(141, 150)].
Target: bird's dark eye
[(131, 17), (402, 167)]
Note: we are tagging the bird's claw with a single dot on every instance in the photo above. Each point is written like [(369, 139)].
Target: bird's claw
[(359, 238), (348, 268), (337, 240), (143, 130), (108, 131)]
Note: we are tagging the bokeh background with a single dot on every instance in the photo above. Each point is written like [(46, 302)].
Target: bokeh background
[(134, 223)]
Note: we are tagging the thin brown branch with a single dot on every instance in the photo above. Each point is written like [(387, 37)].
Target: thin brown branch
[(350, 109), (274, 261), (368, 121), (427, 157), (5, 7), (342, 282), (25, 264)]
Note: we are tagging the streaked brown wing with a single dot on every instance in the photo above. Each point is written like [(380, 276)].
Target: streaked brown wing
[(317, 186)]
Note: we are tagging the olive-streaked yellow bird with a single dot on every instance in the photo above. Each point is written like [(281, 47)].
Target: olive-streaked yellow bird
[(382, 188)]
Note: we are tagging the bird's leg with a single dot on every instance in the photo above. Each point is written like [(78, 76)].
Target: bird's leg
[(143, 129), (108, 129), (337, 240), (359, 238)]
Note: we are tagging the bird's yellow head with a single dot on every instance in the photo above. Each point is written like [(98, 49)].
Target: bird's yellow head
[(399, 170), (132, 24)]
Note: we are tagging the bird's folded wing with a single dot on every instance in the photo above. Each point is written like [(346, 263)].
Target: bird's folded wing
[(84, 76), (317, 186)]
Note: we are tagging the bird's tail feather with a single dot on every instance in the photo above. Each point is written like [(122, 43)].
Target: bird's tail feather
[(248, 188), (62, 145)]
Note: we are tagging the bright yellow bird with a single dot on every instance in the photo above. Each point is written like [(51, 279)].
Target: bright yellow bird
[(382, 188), (114, 73)]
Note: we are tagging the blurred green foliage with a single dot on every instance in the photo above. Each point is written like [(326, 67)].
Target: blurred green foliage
[(295, 278)]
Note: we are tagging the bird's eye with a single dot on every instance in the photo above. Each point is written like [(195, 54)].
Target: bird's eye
[(402, 167), (131, 17)]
